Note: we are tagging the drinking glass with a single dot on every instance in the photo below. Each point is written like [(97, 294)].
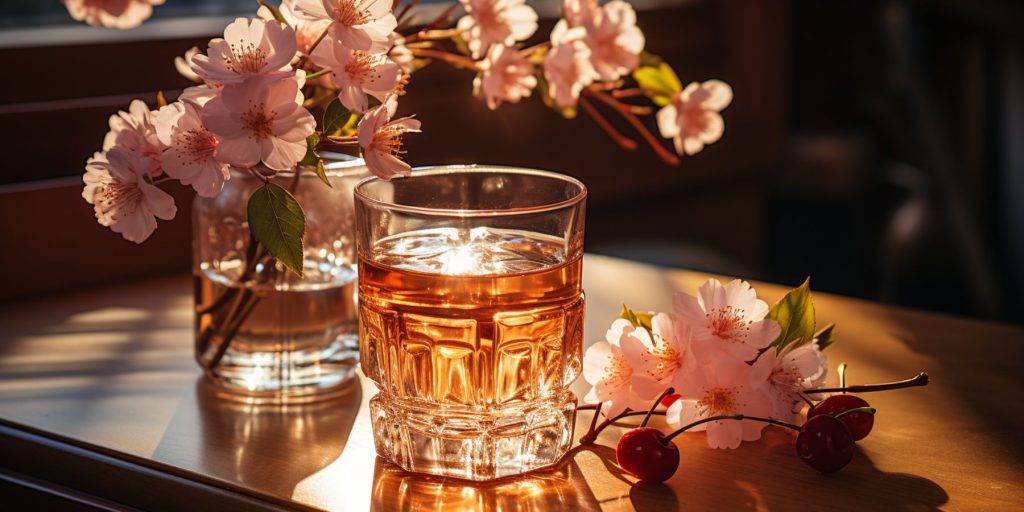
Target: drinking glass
[(471, 316)]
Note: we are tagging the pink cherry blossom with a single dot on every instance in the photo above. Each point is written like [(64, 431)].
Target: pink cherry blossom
[(381, 139), (190, 149), (133, 131), (613, 368), (401, 54), (785, 375), (260, 120), (668, 360), (727, 319), (490, 22), (567, 66), (504, 75), (692, 119), (359, 24), (198, 95), (306, 31), (183, 65), (614, 39), (116, 186), (357, 73), (250, 48), (717, 389), (578, 12), (122, 14)]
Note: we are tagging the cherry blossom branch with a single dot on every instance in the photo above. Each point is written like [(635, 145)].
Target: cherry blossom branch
[(302, 60), (624, 110), (431, 35), (628, 93), (405, 10), (274, 11), (620, 139), (254, 172), (441, 18), (458, 61)]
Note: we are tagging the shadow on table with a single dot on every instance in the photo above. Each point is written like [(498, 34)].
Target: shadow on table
[(561, 487), (265, 448), (775, 479)]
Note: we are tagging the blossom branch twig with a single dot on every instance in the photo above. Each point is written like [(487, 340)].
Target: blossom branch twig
[(629, 116), (620, 139), (458, 61)]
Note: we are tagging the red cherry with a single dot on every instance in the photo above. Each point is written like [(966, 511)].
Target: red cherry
[(858, 423), (825, 444), (669, 400), (642, 454)]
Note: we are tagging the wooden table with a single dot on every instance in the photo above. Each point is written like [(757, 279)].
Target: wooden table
[(101, 403)]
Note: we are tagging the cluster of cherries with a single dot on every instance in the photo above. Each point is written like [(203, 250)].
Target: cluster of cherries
[(825, 442)]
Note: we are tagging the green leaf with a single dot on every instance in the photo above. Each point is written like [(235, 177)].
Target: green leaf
[(335, 117), (637, 319), (795, 314), (322, 173), (659, 82), (311, 157), (277, 222), (825, 337), (649, 59)]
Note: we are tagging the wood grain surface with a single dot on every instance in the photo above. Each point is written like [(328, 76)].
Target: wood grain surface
[(105, 379)]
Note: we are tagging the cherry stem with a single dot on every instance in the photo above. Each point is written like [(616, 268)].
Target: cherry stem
[(869, 410), (920, 380), (667, 439), (842, 375), (591, 435), (593, 421), (657, 402)]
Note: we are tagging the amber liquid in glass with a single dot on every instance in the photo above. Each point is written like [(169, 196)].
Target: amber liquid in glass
[(473, 337)]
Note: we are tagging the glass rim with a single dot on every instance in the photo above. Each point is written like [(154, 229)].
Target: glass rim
[(435, 170)]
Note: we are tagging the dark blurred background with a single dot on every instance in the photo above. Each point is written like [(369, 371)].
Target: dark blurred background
[(874, 145)]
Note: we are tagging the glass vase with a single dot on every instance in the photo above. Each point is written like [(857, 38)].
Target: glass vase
[(262, 333), (471, 317)]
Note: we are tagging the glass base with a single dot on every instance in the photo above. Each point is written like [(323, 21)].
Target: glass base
[(282, 376), (470, 444)]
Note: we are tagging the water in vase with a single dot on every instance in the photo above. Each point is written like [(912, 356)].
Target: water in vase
[(287, 338)]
